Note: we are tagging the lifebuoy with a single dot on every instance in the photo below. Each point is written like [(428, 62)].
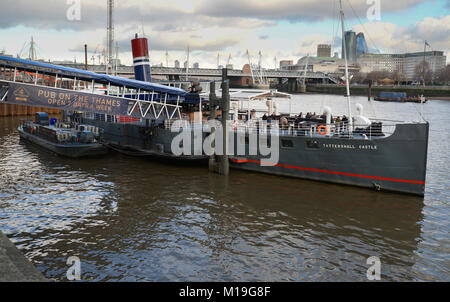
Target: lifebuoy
[(322, 130)]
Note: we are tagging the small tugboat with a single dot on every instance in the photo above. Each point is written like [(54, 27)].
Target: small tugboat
[(66, 139), (399, 97)]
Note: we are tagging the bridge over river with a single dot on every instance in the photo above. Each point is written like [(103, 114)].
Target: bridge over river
[(291, 80)]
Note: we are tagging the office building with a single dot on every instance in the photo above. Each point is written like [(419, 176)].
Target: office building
[(284, 63), (324, 50), (404, 63)]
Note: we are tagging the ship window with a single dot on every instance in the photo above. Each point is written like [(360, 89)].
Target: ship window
[(312, 144), (287, 143)]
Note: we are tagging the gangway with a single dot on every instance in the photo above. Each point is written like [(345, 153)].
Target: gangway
[(40, 84)]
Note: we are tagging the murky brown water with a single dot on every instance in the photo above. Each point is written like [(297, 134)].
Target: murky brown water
[(131, 219)]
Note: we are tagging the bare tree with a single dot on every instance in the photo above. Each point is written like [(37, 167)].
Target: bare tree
[(359, 77), (398, 76), (376, 76), (444, 75), (423, 71)]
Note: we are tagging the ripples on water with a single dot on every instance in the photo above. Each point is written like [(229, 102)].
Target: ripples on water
[(131, 219)]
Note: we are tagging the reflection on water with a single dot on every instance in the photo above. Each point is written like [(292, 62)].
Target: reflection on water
[(131, 219)]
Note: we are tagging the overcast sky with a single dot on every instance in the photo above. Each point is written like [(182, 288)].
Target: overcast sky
[(285, 29)]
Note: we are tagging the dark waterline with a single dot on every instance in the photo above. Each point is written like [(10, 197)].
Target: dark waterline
[(130, 219)]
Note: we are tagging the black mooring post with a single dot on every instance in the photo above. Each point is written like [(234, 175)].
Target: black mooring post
[(213, 103), (369, 92), (225, 104), (212, 100)]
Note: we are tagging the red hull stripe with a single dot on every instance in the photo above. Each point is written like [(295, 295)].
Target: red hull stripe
[(331, 172)]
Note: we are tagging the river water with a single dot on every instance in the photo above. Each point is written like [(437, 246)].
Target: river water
[(132, 219)]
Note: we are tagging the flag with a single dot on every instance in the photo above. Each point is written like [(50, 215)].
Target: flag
[(426, 43)]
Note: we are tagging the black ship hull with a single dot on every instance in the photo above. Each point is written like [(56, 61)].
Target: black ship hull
[(141, 141), (396, 163), (67, 150)]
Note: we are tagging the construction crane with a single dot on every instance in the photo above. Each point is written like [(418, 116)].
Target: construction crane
[(305, 70), (260, 73), (251, 67), (31, 47), (116, 61), (32, 50), (93, 56), (187, 63), (167, 58), (229, 60), (110, 37)]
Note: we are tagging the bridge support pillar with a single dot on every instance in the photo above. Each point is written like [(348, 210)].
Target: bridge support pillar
[(302, 88), (294, 86), (291, 85)]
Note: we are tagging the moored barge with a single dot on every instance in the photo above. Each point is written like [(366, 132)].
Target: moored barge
[(69, 140), (399, 97)]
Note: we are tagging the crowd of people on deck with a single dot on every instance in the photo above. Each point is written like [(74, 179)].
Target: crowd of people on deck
[(303, 121), (309, 117)]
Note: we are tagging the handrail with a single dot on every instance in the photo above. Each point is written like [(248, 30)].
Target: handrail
[(311, 129)]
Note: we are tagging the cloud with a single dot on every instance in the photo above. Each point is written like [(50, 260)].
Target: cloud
[(308, 45), (49, 14), (159, 42), (211, 26), (434, 30), (195, 44), (157, 15), (180, 15), (293, 10), (389, 37)]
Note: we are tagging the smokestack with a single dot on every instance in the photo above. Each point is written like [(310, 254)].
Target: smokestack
[(141, 59)]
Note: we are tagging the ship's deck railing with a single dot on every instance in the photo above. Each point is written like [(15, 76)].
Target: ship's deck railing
[(311, 129), (378, 129), (142, 103)]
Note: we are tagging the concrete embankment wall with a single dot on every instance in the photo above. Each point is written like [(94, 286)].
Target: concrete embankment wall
[(443, 92), (14, 267), (20, 110)]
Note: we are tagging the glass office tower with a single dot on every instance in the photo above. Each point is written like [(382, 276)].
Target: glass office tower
[(361, 45), (350, 43)]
